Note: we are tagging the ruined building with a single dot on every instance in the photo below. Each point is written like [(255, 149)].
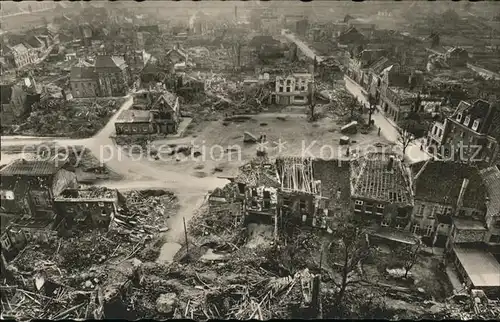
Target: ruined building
[(445, 192), (382, 192), (91, 207), (311, 191), (162, 115), (28, 187), (293, 89), (109, 77), (18, 99)]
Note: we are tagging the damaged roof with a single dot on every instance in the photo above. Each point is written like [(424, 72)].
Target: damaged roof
[(134, 116), (31, 168), (105, 61), (19, 49), (296, 173), (169, 98), (441, 182), (178, 50), (256, 174), (478, 109), (34, 42), (379, 65), (372, 178), (491, 179)]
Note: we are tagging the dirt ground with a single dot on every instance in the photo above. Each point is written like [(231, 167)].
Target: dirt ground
[(426, 274), (220, 142)]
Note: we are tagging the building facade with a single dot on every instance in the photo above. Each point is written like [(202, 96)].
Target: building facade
[(467, 133), (445, 190), (293, 89)]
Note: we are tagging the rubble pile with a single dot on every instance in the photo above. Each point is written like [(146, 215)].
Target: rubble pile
[(146, 212), (233, 288), (79, 157), (339, 100), (75, 277), (76, 119), (58, 277), (220, 225)]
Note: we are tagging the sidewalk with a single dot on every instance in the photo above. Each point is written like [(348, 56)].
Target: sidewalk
[(387, 126)]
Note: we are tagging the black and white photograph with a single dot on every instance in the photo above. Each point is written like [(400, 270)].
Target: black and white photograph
[(250, 160)]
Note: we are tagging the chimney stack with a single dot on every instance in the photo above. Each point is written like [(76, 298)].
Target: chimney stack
[(390, 164)]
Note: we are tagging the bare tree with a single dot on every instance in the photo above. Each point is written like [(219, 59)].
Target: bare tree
[(352, 246), (409, 129), (409, 254), (405, 138)]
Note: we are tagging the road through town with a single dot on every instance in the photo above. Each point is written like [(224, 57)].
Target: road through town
[(387, 129)]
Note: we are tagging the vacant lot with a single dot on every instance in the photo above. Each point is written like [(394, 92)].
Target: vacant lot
[(222, 150), (426, 275)]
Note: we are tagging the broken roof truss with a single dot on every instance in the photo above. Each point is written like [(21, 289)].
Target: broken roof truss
[(296, 174)]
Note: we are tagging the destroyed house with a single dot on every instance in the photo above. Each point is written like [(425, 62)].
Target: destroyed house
[(375, 81), (335, 184), (227, 194), (177, 55), (166, 113), (381, 190), (22, 56), (293, 89), (491, 178), (29, 187), (301, 193), (94, 207), (359, 63), (445, 190), (258, 183), (36, 43), (18, 99)]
